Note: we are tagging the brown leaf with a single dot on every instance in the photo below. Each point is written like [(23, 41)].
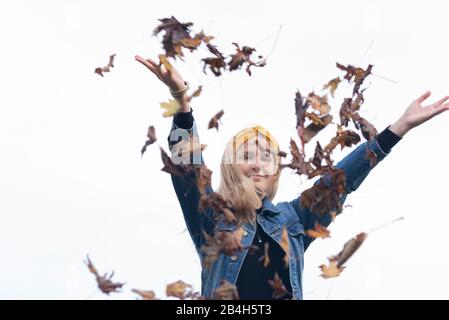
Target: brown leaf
[(226, 291), (145, 294), (319, 232), (369, 132), (350, 248), (107, 68), (213, 123), (372, 157), (170, 167), (332, 86), (330, 271), (279, 288), (151, 135), (178, 289), (105, 284), (265, 258), (203, 177), (319, 103)]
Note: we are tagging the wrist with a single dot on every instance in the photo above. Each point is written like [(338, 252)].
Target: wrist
[(400, 127)]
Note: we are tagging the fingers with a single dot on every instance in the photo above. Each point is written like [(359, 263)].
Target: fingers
[(150, 64), (439, 102), (424, 97)]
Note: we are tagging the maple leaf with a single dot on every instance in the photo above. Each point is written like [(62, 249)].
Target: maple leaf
[(171, 107), (178, 289), (322, 199), (226, 291), (318, 124), (369, 132), (331, 271), (104, 282), (279, 288), (319, 232), (145, 294), (213, 123), (203, 177), (372, 157), (164, 61), (319, 103), (350, 248), (243, 55), (195, 94), (175, 33), (265, 258), (107, 68), (170, 167), (332, 85), (151, 135), (344, 138), (336, 262), (215, 65)]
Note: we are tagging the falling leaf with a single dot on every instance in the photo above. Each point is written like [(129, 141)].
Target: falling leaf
[(372, 157), (265, 258), (318, 232), (105, 284), (151, 135), (213, 123), (145, 294), (369, 132), (174, 33), (350, 248), (203, 177), (170, 167), (226, 291), (171, 107), (332, 85), (279, 288), (163, 60), (195, 94), (177, 289), (330, 271), (319, 103), (107, 68), (243, 55)]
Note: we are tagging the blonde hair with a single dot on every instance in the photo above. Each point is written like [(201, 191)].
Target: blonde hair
[(238, 188)]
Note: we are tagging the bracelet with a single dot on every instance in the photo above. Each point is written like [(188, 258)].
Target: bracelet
[(179, 93)]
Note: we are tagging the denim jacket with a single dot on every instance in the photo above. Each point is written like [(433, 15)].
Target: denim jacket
[(272, 218)]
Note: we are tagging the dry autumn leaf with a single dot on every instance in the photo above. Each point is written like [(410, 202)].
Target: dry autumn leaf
[(226, 291), (171, 107), (213, 123), (279, 288), (145, 294), (318, 232), (330, 271), (151, 135), (105, 284), (332, 86), (170, 167), (107, 68)]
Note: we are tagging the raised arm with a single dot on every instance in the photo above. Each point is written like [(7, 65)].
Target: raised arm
[(184, 128), (357, 166)]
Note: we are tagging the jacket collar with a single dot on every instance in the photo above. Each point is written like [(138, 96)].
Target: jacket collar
[(268, 207)]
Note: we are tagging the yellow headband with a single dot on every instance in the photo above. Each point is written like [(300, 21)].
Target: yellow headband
[(251, 132)]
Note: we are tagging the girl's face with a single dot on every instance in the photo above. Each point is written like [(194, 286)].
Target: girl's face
[(256, 160)]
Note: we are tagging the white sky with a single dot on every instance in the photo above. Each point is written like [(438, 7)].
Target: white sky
[(72, 180)]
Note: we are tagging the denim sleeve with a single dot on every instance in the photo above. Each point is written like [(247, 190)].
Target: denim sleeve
[(356, 167), (184, 127)]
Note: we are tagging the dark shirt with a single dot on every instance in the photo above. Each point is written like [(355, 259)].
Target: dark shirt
[(252, 281)]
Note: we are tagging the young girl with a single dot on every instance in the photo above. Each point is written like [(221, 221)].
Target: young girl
[(249, 178)]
